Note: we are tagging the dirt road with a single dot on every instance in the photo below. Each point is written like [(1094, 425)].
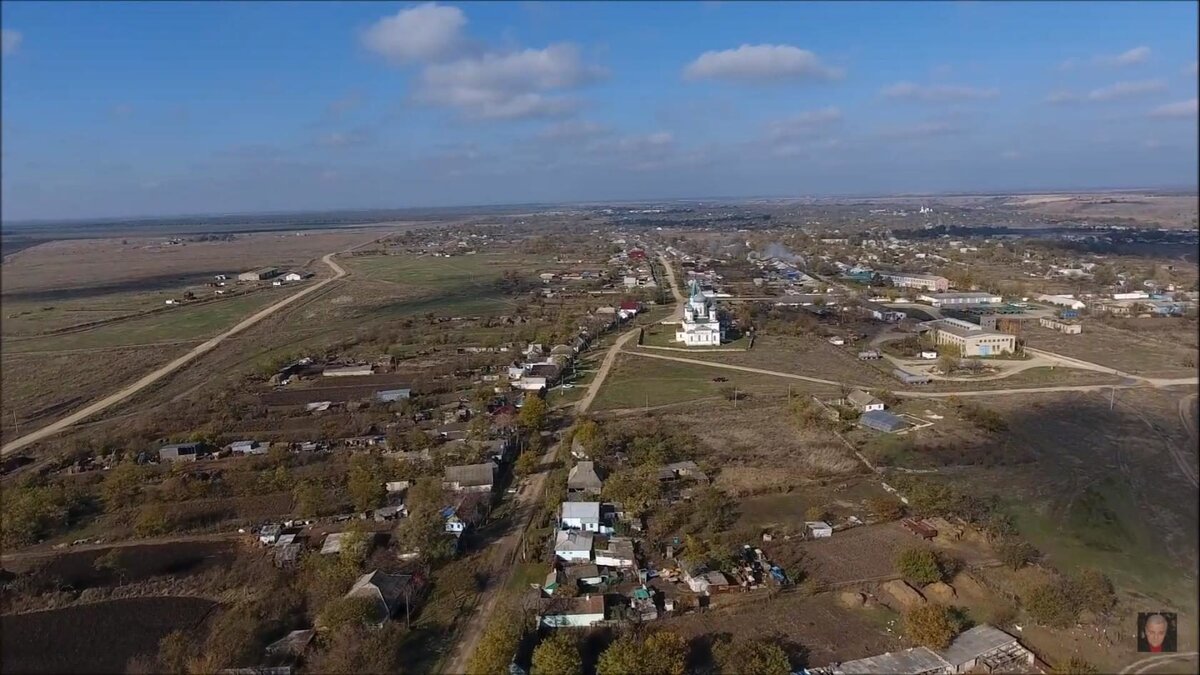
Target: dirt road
[(680, 301), (1170, 663), (51, 552), (501, 555), (158, 374)]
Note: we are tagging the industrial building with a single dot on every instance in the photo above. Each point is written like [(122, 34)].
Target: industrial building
[(973, 340), (928, 282), (259, 274), (1062, 301), (880, 420), (960, 299), (1062, 326)]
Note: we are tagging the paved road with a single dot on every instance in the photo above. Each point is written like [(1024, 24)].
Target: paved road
[(1151, 663), (160, 373)]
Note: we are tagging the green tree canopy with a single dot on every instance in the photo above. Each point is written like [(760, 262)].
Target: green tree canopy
[(558, 655), (759, 657), (931, 625), (919, 565)]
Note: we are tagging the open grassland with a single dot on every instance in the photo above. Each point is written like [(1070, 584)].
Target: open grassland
[(1103, 489), (810, 355), (85, 268), (38, 388), (183, 323), (465, 284), (637, 382), (1150, 347)]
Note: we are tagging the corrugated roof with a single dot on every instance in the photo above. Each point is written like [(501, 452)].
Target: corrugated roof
[(881, 420), (907, 662), (583, 476), (582, 510), (975, 642), (471, 474), (574, 540)]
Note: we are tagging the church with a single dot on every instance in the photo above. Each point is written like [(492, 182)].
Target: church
[(701, 327)]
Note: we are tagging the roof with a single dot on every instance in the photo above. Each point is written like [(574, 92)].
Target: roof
[(385, 588), (583, 571), (591, 604), (574, 540), (581, 510), (333, 543), (619, 547), (960, 296), (860, 397), (583, 476), (976, 642), (907, 662), (818, 525), (881, 420), (292, 643), (471, 474)]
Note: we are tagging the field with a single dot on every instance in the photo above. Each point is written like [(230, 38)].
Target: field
[(77, 569), (1103, 488), (1178, 211), (639, 382), (460, 284), (1153, 348), (94, 638), (811, 355), (868, 553)]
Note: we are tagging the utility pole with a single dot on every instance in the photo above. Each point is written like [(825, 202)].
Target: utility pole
[(1112, 398)]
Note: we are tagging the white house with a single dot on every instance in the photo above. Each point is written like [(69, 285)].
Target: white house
[(530, 383), (292, 276), (864, 402), (580, 516), (573, 612), (818, 529), (618, 554), (701, 326), (248, 448), (574, 546)]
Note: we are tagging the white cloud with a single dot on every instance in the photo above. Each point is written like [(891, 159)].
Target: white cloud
[(1112, 92), (937, 93), (804, 124), (761, 63), (572, 130), (1186, 108), (11, 41), (422, 33), (1126, 58), (507, 86)]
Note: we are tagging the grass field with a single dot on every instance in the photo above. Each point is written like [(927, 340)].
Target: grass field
[(1157, 348), (195, 322), (457, 285), (640, 382)]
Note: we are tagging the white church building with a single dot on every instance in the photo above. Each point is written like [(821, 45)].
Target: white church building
[(700, 327)]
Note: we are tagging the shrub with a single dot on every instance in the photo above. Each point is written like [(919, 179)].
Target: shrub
[(1074, 666), (760, 657), (919, 565), (1092, 591), (1017, 553), (931, 625), (557, 655), (885, 508), (1051, 605)]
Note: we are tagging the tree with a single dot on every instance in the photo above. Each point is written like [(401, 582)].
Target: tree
[(931, 625), (533, 414), (1074, 666), (622, 657), (365, 482), (111, 562), (497, 645), (122, 485), (526, 463), (664, 653), (635, 488), (919, 565), (558, 655), (587, 433), (350, 611), (1092, 591), (356, 649), (1051, 605), (947, 362), (152, 520), (1016, 553), (309, 499), (733, 657)]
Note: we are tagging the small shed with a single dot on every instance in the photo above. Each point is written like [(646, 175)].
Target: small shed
[(911, 378), (818, 529)]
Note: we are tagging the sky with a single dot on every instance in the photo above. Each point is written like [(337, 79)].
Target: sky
[(165, 108)]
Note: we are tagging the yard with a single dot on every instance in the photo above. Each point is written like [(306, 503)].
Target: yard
[(1165, 347)]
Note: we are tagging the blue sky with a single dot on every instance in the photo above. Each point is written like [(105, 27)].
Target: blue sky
[(158, 108)]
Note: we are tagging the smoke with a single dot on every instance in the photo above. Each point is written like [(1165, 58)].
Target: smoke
[(780, 252)]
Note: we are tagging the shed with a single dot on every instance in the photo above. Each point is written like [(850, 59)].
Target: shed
[(584, 479), (818, 529), (911, 378), (880, 420), (179, 452), (390, 395), (387, 592)]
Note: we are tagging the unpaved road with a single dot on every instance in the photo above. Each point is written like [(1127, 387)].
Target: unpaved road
[(51, 552), (501, 552), (1164, 663), (156, 375)]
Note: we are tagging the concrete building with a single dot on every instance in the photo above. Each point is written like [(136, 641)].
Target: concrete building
[(1062, 301), (973, 340), (960, 299), (259, 274), (1061, 325), (982, 649), (179, 452), (928, 282), (572, 612), (349, 371)]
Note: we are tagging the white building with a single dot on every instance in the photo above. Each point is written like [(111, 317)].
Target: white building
[(574, 546), (580, 516), (701, 327), (1062, 301), (577, 613), (952, 299)]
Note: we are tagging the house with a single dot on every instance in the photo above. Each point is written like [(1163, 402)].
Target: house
[(554, 579), (632, 306), (393, 395), (296, 276), (349, 371), (572, 612), (588, 574), (864, 402), (292, 645), (574, 545), (818, 529), (333, 543), (530, 384), (470, 477), (881, 421), (287, 556), (259, 274), (454, 524), (580, 516), (247, 448), (870, 355), (387, 592), (686, 469), (619, 553), (702, 580), (583, 479), (179, 452)]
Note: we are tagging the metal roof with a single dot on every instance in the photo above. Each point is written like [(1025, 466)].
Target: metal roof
[(881, 420), (907, 662), (975, 642), (581, 510), (471, 474)]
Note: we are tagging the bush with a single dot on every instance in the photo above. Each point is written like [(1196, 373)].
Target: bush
[(1017, 553), (919, 565), (1074, 666), (816, 513), (760, 657), (1092, 591), (885, 508), (557, 655), (931, 625), (1051, 605)]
